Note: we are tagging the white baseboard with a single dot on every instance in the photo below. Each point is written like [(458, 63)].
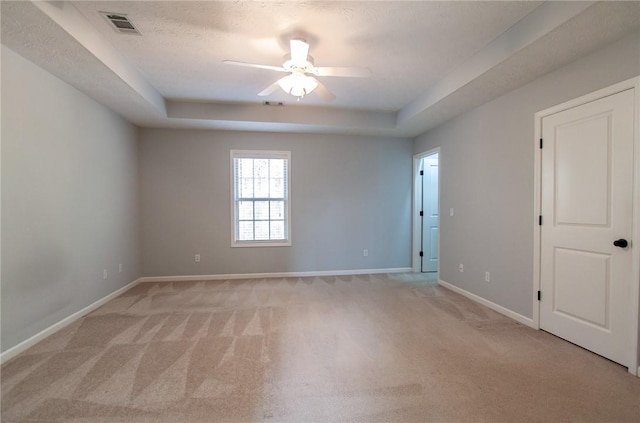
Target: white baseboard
[(22, 346), (273, 275), (493, 306)]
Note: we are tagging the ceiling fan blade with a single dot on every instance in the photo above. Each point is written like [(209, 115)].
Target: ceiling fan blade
[(269, 90), (342, 71), (323, 92), (299, 51), (253, 65)]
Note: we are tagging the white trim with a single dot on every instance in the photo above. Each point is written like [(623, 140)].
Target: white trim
[(273, 275), (537, 211), (251, 244), (415, 230), (493, 306), (28, 343), (635, 271), (587, 98), (633, 83)]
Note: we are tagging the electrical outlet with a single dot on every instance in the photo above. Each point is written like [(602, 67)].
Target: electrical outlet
[(365, 253), (451, 212), (487, 277), (461, 267), (120, 268), (197, 258), (104, 274)]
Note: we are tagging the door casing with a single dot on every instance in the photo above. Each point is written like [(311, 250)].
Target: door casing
[(633, 83)]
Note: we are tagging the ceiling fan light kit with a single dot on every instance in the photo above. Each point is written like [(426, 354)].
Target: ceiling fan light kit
[(298, 84), (302, 69)]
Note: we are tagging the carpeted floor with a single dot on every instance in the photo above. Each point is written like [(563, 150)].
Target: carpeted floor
[(370, 348)]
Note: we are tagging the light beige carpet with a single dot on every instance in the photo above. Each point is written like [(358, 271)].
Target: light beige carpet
[(378, 348)]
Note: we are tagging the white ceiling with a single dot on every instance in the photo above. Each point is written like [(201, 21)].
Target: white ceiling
[(429, 60)]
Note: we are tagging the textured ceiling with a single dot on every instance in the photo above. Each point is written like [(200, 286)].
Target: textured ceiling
[(407, 46), (429, 60)]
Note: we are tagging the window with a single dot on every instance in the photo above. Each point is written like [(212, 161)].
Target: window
[(260, 198)]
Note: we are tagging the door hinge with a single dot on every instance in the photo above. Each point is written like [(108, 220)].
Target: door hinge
[(540, 142), (539, 296), (421, 213), (540, 220), (421, 172), (421, 253)]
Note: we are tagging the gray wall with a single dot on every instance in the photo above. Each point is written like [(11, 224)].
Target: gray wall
[(486, 165), (348, 193), (69, 200)]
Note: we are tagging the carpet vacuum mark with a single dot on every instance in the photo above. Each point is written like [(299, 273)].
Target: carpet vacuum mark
[(365, 348)]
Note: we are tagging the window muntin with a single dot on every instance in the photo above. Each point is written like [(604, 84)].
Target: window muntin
[(260, 191)]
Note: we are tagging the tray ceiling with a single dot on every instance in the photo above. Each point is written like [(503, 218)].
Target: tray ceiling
[(423, 56)]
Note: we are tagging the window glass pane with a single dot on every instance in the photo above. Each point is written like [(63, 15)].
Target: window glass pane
[(262, 210), (245, 188), (261, 188), (245, 210), (277, 209), (277, 229), (260, 191), (261, 168), (262, 230), (245, 231), (276, 188), (276, 168), (245, 168)]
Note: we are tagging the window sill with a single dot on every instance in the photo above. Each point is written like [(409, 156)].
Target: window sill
[(242, 244)]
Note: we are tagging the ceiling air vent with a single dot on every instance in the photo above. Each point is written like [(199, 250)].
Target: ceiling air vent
[(120, 23)]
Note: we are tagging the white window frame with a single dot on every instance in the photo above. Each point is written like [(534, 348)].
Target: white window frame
[(260, 154)]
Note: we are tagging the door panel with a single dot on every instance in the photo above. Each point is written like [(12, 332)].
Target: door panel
[(589, 274), (583, 171), (587, 192)]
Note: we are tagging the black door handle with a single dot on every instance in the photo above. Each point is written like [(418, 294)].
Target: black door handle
[(622, 243)]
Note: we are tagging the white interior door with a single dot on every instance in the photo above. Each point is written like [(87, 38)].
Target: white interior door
[(587, 198), (430, 214)]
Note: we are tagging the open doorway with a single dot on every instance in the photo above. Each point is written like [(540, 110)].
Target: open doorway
[(426, 220)]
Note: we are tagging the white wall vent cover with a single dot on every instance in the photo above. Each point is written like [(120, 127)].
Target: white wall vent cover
[(120, 23)]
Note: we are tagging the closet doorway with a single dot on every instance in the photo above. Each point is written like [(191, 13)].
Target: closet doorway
[(426, 212)]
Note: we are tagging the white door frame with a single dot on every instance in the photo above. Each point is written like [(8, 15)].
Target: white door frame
[(417, 199), (633, 83)]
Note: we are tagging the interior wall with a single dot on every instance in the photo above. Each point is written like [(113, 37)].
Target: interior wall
[(69, 200), (486, 165), (348, 193)]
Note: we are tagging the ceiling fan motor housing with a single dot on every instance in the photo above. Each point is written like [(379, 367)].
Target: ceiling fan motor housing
[(306, 67)]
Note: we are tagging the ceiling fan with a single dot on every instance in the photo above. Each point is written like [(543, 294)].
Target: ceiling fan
[(302, 72)]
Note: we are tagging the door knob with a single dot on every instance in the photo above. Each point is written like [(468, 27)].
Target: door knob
[(622, 243)]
